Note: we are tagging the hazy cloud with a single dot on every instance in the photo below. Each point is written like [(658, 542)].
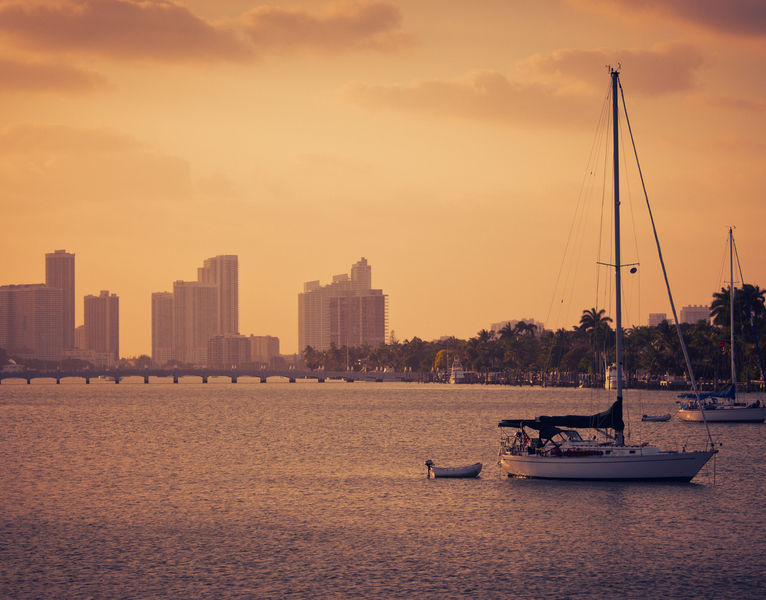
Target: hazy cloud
[(366, 25), (18, 75), (119, 28), (662, 69), (47, 141), (90, 168), (741, 17), (486, 95)]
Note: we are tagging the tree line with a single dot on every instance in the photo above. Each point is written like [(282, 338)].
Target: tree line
[(583, 350)]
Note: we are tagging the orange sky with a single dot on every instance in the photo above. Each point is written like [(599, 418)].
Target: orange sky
[(445, 141)]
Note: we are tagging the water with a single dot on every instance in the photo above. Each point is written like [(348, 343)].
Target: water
[(319, 491)]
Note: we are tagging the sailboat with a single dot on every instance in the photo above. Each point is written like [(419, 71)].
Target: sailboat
[(551, 447), (722, 407)]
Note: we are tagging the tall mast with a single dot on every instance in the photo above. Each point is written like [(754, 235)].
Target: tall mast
[(617, 275), (731, 310)]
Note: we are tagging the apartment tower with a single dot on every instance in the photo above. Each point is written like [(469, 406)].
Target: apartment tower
[(223, 272), (346, 312), (31, 321), (102, 324), (162, 328), (59, 273)]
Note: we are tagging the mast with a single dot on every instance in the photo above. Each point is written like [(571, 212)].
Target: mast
[(731, 311), (617, 275)]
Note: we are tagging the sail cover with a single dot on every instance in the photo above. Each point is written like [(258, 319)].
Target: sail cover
[(727, 393), (609, 419)]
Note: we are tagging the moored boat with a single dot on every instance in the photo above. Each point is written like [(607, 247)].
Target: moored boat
[(464, 471), (722, 407), (551, 447), (655, 418)]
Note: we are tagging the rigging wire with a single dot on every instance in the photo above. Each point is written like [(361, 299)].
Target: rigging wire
[(750, 313), (566, 278), (695, 388)]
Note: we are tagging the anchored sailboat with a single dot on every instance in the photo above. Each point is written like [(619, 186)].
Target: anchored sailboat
[(551, 447), (722, 407)]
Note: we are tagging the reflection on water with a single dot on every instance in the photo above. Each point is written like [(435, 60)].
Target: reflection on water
[(320, 491)]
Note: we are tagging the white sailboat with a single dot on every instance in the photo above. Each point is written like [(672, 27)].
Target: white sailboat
[(722, 407), (551, 447)]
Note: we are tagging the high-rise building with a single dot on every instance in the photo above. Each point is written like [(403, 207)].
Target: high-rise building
[(695, 313), (228, 351), (31, 321), (656, 318), (347, 312), (102, 324), (223, 272), (162, 328), (59, 273), (263, 348), (194, 320)]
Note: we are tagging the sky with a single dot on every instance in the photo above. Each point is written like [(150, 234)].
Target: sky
[(448, 142)]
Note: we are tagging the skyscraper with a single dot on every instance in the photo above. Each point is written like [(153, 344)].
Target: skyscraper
[(162, 328), (223, 272), (30, 321), (102, 324), (347, 312), (59, 273), (194, 320)]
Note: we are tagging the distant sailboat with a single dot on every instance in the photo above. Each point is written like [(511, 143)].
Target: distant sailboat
[(551, 447), (722, 407)]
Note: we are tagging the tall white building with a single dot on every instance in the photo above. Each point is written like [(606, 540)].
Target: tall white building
[(346, 312), (59, 273), (162, 328), (194, 320), (656, 318), (102, 324), (223, 272), (695, 313), (31, 321)]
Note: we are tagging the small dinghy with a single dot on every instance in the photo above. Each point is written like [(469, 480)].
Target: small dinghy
[(656, 418), (466, 471)]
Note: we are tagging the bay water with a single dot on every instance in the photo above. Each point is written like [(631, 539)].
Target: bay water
[(311, 490)]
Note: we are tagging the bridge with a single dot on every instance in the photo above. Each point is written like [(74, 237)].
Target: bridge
[(204, 374)]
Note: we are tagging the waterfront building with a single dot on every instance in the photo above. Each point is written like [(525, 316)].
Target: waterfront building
[(263, 348), (195, 320), (162, 328), (223, 272), (59, 273), (102, 324), (346, 312), (31, 321), (496, 327), (695, 313), (228, 351), (656, 318)]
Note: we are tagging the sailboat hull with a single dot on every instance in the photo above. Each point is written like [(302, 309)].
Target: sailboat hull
[(657, 466), (725, 414)]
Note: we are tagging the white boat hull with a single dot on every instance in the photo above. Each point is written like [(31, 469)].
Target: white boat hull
[(466, 471), (725, 414), (657, 466)]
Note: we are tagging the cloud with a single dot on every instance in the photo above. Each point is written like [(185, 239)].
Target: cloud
[(665, 68), (557, 89), (738, 17), (484, 95), (71, 170), (141, 29), (358, 25), (16, 75)]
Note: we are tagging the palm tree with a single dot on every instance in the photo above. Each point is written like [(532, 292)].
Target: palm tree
[(596, 324)]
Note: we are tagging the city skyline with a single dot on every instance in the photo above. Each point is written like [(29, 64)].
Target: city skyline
[(444, 142)]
